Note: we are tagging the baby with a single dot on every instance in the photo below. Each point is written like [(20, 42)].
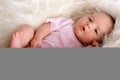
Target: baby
[(65, 32)]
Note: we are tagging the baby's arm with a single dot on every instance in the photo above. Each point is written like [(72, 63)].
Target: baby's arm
[(40, 33)]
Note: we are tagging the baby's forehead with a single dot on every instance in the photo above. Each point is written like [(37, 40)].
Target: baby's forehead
[(101, 14), (98, 15), (103, 21)]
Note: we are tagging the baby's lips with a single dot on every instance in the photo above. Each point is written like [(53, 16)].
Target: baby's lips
[(82, 28)]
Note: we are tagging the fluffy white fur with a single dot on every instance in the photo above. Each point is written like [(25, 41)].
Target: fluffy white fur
[(14, 13)]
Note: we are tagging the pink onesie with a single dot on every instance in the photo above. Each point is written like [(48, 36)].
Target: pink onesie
[(62, 34)]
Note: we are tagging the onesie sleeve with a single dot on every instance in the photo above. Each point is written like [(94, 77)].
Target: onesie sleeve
[(58, 23)]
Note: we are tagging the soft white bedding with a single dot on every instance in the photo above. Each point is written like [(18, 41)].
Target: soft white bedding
[(14, 13)]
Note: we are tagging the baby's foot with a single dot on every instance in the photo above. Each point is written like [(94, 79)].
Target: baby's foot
[(16, 40), (22, 37)]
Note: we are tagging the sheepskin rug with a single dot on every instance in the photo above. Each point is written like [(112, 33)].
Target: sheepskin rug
[(14, 13)]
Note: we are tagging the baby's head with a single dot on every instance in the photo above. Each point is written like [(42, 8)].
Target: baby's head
[(92, 28)]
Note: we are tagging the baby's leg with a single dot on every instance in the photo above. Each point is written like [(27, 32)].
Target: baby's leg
[(22, 37)]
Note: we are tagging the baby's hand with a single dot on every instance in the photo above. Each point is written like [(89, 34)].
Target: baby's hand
[(35, 43), (93, 45)]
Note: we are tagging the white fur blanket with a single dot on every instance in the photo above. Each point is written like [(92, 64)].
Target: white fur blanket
[(14, 13)]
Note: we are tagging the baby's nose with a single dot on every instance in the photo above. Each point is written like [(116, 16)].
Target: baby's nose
[(88, 25), (91, 26)]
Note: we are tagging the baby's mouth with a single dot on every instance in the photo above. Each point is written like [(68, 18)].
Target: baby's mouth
[(83, 29)]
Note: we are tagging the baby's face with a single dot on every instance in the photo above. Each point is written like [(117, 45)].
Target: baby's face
[(92, 27)]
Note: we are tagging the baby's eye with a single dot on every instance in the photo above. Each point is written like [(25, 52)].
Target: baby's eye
[(90, 19), (96, 31)]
